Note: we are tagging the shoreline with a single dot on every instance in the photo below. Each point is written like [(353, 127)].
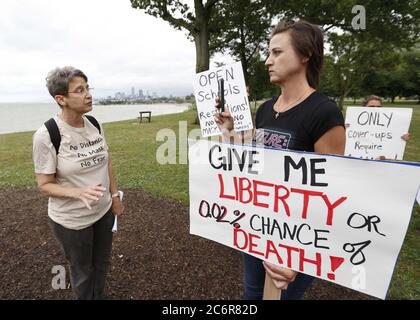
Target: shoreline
[(186, 106)]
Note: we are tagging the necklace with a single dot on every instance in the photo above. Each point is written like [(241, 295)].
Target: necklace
[(277, 113)]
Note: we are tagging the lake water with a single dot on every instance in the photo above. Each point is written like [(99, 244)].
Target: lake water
[(18, 117)]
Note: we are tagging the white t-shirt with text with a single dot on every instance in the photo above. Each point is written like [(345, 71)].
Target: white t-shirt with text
[(82, 161)]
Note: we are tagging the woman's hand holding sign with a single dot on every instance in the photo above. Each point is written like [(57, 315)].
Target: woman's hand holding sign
[(281, 277), (223, 119), (406, 136)]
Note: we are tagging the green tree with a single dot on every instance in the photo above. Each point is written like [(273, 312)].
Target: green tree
[(357, 67), (355, 54), (329, 80), (411, 60), (344, 52), (197, 22), (400, 77), (390, 21), (243, 31), (240, 28), (259, 80)]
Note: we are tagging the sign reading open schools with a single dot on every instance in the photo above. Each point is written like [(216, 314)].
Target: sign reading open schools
[(374, 132), (317, 214), (236, 97)]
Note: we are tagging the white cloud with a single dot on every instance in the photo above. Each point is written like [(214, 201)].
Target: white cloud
[(118, 47)]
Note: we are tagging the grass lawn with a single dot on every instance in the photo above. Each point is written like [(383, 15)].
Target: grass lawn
[(133, 149)]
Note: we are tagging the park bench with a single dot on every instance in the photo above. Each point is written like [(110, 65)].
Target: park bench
[(145, 114)]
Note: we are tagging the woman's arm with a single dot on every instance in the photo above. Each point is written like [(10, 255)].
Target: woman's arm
[(332, 142), (117, 206), (48, 186), (224, 121)]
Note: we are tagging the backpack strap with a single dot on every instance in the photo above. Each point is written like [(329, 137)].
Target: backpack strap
[(54, 132), (94, 122)]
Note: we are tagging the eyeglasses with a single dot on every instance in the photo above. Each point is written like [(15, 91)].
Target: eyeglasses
[(82, 91)]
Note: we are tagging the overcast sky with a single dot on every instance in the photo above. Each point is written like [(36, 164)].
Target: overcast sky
[(118, 47)]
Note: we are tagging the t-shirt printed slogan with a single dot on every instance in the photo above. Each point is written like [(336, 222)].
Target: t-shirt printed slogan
[(95, 156), (271, 138)]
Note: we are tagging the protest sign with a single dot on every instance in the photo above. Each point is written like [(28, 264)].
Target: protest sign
[(236, 97), (374, 132), (336, 218)]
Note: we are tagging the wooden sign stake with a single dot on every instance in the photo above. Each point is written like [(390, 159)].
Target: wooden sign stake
[(270, 290)]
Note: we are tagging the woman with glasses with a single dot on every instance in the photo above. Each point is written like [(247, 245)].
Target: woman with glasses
[(300, 118), (77, 176)]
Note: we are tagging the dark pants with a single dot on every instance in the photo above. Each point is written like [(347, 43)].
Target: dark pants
[(254, 278), (88, 252)]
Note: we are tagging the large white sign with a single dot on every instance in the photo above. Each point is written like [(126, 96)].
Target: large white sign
[(236, 97), (336, 218), (374, 132)]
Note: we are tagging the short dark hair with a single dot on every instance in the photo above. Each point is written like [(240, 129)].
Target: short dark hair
[(369, 98), (58, 79), (308, 40)]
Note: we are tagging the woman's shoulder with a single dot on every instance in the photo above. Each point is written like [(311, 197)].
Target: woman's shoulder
[(41, 142), (323, 114), (41, 135), (92, 123), (322, 105), (267, 105), (324, 101)]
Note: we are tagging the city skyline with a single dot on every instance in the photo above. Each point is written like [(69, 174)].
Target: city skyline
[(141, 94), (136, 49)]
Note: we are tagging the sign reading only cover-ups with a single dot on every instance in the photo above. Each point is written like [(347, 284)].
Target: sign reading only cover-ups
[(236, 97), (374, 132), (336, 218)]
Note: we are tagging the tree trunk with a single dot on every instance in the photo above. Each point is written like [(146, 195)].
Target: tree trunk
[(342, 95), (201, 39), (341, 102), (341, 99), (345, 90), (243, 56), (202, 60)]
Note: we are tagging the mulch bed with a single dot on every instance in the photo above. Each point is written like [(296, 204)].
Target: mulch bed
[(154, 256)]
